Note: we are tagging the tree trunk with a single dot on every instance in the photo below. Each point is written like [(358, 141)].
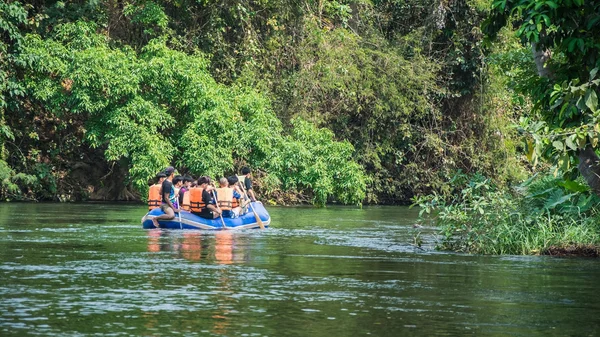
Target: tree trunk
[(589, 162), (3, 154), (589, 167), (541, 57)]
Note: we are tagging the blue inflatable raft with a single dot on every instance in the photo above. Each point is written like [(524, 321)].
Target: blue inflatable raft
[(187, 220)]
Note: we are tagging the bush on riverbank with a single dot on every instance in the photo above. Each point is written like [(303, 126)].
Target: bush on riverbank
[(542, 213)]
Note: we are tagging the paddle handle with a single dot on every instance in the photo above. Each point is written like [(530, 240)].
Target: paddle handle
[(220, 214), (258, 219)]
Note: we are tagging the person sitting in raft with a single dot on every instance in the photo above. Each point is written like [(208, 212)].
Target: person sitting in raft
[(239, 205), (226, 195), (246, 181), (177, 184), (168, 198), (195, 196), (154, 192), (184, 193), (208, 209)]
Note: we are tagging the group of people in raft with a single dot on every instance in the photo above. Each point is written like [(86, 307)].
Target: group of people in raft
[(173, 193)]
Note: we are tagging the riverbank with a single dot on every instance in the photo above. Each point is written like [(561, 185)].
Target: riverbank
[(540, 216), (573, 250)]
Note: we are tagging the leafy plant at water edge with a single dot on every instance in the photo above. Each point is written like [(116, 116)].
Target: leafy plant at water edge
[(541, 212)]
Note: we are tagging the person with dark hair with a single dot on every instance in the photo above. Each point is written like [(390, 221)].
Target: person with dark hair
[(246, 181), (177, 184), (168, 198), (154, 197), (206, 204), (228, 199), (183, 200)]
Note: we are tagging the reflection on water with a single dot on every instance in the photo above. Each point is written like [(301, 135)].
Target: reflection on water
[(222, 247), (84, 270)]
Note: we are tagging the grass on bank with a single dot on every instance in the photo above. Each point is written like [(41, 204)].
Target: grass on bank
[(543, 215)]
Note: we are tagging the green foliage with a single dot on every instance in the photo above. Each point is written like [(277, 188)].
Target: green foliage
[(310, 158), (11, 183), (163, 106), (13, 16), (543, 211), (566, 101), (370, 95), (210, 87)]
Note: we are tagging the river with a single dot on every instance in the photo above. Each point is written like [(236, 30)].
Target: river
[(91, 270)]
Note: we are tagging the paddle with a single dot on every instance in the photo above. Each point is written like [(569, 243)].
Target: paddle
[(260, 223), (180, 224), (220, 214)]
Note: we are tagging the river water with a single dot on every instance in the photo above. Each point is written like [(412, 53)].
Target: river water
[(90, 269)]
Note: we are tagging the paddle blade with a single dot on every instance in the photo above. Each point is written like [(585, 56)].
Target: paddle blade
[(258, 220)]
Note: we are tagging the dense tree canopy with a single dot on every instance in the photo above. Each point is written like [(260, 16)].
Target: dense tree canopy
[(329, 101)]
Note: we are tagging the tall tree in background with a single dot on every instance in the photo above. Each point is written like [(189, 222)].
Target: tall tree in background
[(565, 39)]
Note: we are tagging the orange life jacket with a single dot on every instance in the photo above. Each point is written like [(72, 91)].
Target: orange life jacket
[(154, 198), (185, 204), (225, 196), (235, 203), (196, 203)]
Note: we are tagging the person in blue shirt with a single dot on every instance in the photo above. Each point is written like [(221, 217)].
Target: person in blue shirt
[(231, 192)]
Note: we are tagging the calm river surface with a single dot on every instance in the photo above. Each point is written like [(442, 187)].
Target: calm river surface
[(90, 269)]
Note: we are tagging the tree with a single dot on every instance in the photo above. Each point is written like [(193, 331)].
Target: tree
[(565, 39), (147, 110)]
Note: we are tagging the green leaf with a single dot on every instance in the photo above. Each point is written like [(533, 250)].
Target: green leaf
[(552, 4), (593, 73), (573, 186), (572, 43), (546, 20), (581, 45), (499, 4), (592, 21), (558, 145), (557, 199), (591, 99), (570, 144)]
